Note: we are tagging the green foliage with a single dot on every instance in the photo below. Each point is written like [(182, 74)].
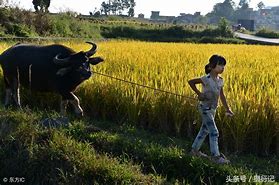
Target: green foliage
[(169, 160), (20, 30), (47, 156), (60, 25), (16, 22), (169, 34), (224, 9), (260, 5), (243, 4), (79, 154), (41, 6), (117, 6), (223, 27), (221, 40), (2, 31), (27, 24), (267, 33), (65, 25)]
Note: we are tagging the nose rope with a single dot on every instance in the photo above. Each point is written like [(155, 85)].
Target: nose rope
[(145, 86)]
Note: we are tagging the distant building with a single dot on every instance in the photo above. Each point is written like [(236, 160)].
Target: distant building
[(263, 18), (248, 18), (275, 8), (245, 14), (267, 18), (197, 14), (247, 24), (156, 17), (188, 18)]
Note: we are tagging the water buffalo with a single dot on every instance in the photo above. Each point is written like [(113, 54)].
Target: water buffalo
[(51, 68)]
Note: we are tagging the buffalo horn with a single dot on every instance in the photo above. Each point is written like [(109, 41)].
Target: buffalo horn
[(92, 51), (61, 61)]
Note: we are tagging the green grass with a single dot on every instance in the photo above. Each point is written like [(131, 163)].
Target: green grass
[(111, 154), (48, 156)]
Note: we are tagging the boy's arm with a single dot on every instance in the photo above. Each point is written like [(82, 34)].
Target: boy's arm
[(224, 102), (193, 83)]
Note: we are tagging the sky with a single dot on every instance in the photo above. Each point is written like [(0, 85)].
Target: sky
[(166, 7)]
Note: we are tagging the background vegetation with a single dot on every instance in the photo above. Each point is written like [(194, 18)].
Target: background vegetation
[(175, 33), (21, 23), (16, 22), (267, 33)]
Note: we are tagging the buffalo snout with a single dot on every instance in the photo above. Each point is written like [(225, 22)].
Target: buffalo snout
[(95, 60)]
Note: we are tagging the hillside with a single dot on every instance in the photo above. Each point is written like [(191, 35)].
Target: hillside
[(22, 23)]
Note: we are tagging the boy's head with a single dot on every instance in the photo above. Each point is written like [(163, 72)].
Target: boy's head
[(216, 63)]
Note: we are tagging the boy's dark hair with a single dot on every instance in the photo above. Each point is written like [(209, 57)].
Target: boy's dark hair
[(213, 62)]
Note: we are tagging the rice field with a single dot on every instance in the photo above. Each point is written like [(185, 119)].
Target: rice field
[(251, 88)]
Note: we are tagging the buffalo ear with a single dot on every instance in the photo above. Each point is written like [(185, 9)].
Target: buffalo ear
[(95, 60), (63, 71)]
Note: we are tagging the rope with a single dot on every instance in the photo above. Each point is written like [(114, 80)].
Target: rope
[(145, 86)]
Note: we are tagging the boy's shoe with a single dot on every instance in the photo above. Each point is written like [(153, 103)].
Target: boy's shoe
[(220, 159), (198, 154)]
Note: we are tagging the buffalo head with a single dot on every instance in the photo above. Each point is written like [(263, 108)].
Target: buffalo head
[(77, 64)]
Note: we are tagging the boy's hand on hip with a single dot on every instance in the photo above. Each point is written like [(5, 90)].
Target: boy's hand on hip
[(229, 113)]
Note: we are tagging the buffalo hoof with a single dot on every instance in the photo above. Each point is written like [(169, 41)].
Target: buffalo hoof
[(7, 106), (79, 114)]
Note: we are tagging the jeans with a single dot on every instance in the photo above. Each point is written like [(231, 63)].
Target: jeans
[(208, 127)]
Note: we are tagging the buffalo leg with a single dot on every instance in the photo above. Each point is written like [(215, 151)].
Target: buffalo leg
[(76, 104), (15, 91), (8, 96), (8, 92), (12, 90), (63, 107), (73, 100)]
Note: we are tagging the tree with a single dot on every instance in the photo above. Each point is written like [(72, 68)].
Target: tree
[(260, 5), (105, 8), (131, 12), (223, 27), (116, 7), (4, 3), (244, 4), (41, 5), (225, 9)]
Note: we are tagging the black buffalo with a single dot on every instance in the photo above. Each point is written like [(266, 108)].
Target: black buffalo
[(51, 68)]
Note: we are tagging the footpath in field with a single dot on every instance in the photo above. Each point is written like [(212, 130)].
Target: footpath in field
[(88, 151)]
